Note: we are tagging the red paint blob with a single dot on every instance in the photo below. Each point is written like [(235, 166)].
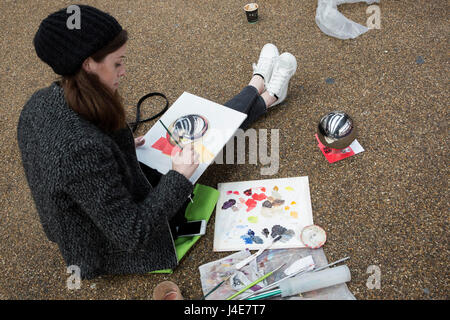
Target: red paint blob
[(259, 197), (251, 204)]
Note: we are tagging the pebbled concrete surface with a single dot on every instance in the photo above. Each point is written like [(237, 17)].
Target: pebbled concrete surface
[(385, 207)]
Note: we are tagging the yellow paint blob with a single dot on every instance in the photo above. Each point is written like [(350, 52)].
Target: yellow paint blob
[(205, 156), (252, 219), (289, 189), (294, 214), (293, 203), (286, 208)]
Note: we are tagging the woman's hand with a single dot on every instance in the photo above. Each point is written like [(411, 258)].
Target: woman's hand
[(139, 141), (186, 161)]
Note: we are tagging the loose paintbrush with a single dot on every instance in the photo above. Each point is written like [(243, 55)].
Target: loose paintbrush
[(216, 287), (267, 294), (255, 255), (255, 282), (275, 284)]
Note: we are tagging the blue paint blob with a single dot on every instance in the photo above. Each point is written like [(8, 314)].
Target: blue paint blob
[(250, 238), (247, 239), (329, 80), (257, 240), (420, 60)]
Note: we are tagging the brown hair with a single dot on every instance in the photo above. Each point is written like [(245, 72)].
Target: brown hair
[(90, 98)]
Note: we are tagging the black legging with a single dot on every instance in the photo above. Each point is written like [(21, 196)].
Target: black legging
[(248, 101)]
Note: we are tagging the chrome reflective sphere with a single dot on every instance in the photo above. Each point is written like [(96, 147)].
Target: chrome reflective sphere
[(188, 128), (336, 130)]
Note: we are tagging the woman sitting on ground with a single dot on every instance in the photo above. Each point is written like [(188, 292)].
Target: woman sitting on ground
[(108, 213)]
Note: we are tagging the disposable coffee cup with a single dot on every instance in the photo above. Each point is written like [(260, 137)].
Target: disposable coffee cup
[(251, 10)]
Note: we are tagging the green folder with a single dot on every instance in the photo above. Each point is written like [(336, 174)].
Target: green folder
[(204, 201)]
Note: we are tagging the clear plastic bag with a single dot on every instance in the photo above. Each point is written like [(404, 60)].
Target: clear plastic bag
[(334, 23)]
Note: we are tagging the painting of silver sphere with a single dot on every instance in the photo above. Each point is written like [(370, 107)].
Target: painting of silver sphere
[(188, 128), (336, 130)]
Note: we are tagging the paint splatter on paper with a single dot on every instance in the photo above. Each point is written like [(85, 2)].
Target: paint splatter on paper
[(277, 230), (228, 204), (250, 238), (259, 197), (252, 219), (286, 234), (267, 204), (251, 204)]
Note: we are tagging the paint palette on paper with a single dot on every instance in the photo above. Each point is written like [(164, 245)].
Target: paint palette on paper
[(190, 120), (250, 214)]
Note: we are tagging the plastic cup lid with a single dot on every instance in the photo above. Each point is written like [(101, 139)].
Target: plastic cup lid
[(313, 236)]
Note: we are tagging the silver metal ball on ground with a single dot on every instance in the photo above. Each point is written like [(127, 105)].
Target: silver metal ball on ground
[(336, 130)]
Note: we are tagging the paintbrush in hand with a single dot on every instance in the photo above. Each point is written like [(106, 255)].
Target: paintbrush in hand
[(170, 134)]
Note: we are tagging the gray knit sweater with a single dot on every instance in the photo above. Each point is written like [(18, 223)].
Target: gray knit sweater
[(92, 197)]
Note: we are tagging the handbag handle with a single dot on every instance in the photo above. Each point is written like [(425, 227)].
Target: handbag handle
[(134, 125)]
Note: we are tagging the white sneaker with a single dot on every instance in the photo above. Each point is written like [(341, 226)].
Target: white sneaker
[(269, 54), (284, 69)]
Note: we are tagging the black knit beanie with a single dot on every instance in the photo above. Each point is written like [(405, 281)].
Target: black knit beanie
[(65, 49)]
